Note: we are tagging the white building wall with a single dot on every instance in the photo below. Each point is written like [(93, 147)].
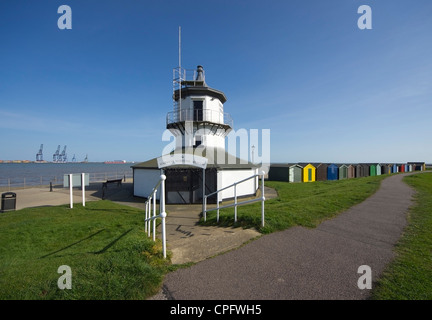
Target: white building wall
[(228, 177), (213, 105), (144, 181), (212, 112)]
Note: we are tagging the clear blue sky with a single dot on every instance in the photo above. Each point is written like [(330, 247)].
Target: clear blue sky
[(327, 90)]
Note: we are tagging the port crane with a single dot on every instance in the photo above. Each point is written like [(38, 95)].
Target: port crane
[(63, 156), (39, 155), (56, 155)]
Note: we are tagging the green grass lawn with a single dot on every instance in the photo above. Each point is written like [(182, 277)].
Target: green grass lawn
[(103, 243), (409, 276), (299, 204)]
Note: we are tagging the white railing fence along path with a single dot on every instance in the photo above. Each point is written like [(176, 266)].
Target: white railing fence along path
[(236, 203), (150, 207)]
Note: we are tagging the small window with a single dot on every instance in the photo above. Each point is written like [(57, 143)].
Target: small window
[(198, 141), (198, 110)]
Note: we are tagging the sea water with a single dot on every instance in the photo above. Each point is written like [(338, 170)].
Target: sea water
[(32, 174)]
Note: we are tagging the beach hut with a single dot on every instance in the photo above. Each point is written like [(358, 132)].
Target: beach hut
[(418, 166), (351, 171), (279, 172), (343, 172), (378, 169), (321, 172), (366, 172), (386, 169), (332, 172), (309, 173), (359, 171), (295, 173), (394, 168), (401, 168), (372, 170)]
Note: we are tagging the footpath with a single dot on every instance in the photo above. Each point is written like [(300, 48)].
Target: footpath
[(301, 263)]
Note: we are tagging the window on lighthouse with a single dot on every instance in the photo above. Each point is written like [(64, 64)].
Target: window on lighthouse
[(198, 110), (198, 141)]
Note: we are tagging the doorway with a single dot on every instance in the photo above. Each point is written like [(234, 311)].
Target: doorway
[(184, 186)]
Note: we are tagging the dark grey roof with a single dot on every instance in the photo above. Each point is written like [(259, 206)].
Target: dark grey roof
[(198, 87), (200, 91), (227, 162)]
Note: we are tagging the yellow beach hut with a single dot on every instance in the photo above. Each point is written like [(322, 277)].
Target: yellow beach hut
[(309, 173)]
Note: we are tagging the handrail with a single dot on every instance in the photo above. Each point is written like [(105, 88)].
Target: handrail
[(205, 115), (236, 204), (162, 213)]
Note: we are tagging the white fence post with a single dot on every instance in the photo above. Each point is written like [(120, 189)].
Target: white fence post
[(146, 216), (203, 191), (150, 211), (70, 191), (263, 199), (83, 188), (235, 202), (217, 208), (205, 207), (154, 215), (162, 214)]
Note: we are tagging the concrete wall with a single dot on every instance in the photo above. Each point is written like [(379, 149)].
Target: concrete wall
[(228, 177), (144, 181)]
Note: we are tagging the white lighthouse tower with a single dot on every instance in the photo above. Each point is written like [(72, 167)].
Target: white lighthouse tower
[(198, 118), (200, 125)]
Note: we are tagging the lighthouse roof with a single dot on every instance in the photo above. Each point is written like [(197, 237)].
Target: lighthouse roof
[(196, 86), (217, 158), (200, 91)]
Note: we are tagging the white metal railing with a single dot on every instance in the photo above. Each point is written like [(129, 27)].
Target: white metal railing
[(205, 115), (162, 214), (183, 77), (236, 204)]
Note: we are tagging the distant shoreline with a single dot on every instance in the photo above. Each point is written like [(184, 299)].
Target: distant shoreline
[(69, 162)]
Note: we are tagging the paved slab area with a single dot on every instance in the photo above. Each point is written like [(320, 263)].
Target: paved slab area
[(301, 263), (42, 196)]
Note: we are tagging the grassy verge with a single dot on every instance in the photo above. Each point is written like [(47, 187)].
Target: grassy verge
[(300, 204), (103, 243), (409, 276)]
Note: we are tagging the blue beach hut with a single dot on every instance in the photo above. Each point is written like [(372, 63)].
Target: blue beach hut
[(332, 172)]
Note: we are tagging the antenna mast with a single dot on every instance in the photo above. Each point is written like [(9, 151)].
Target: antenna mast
[(180, 47), (180, 74)]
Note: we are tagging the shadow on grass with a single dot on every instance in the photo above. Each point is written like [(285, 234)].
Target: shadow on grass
[(112, 243), (73, 244)]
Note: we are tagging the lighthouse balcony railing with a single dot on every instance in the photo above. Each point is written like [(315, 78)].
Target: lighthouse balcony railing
[(199, 115), (186, 77)]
